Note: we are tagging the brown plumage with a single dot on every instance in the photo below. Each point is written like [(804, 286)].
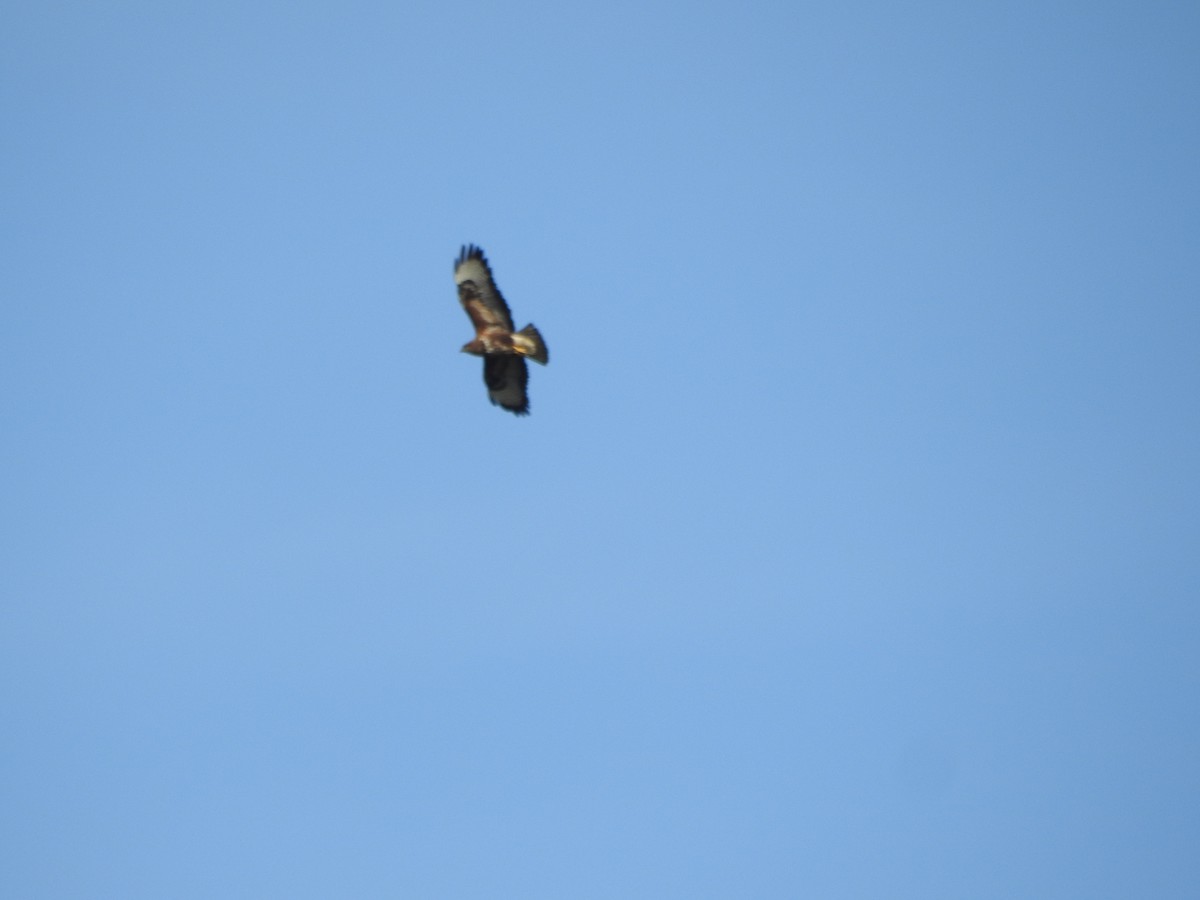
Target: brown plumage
[(503, 349)]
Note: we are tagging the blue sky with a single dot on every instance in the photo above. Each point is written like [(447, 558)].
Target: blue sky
[(850, 549)]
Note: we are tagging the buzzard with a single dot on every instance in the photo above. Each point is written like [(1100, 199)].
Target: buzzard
[(503, 350)]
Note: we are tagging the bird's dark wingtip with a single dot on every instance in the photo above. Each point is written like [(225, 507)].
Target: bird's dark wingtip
[(469, 251)]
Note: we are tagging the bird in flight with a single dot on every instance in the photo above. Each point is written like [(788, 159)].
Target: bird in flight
[(503, 349)]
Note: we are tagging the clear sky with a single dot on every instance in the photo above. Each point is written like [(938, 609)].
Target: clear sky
[(851, 550)]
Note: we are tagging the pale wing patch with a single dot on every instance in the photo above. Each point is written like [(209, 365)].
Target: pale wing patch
[(471, 269)]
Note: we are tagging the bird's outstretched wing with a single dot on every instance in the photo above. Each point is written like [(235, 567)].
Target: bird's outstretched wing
[(506, 378), (477, 291)]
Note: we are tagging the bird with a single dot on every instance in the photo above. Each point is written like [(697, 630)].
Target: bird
[(504, 350)]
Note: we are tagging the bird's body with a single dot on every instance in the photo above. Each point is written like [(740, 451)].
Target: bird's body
[(503, 349)]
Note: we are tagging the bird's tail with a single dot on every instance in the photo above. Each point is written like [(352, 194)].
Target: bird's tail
[(528, 342)]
